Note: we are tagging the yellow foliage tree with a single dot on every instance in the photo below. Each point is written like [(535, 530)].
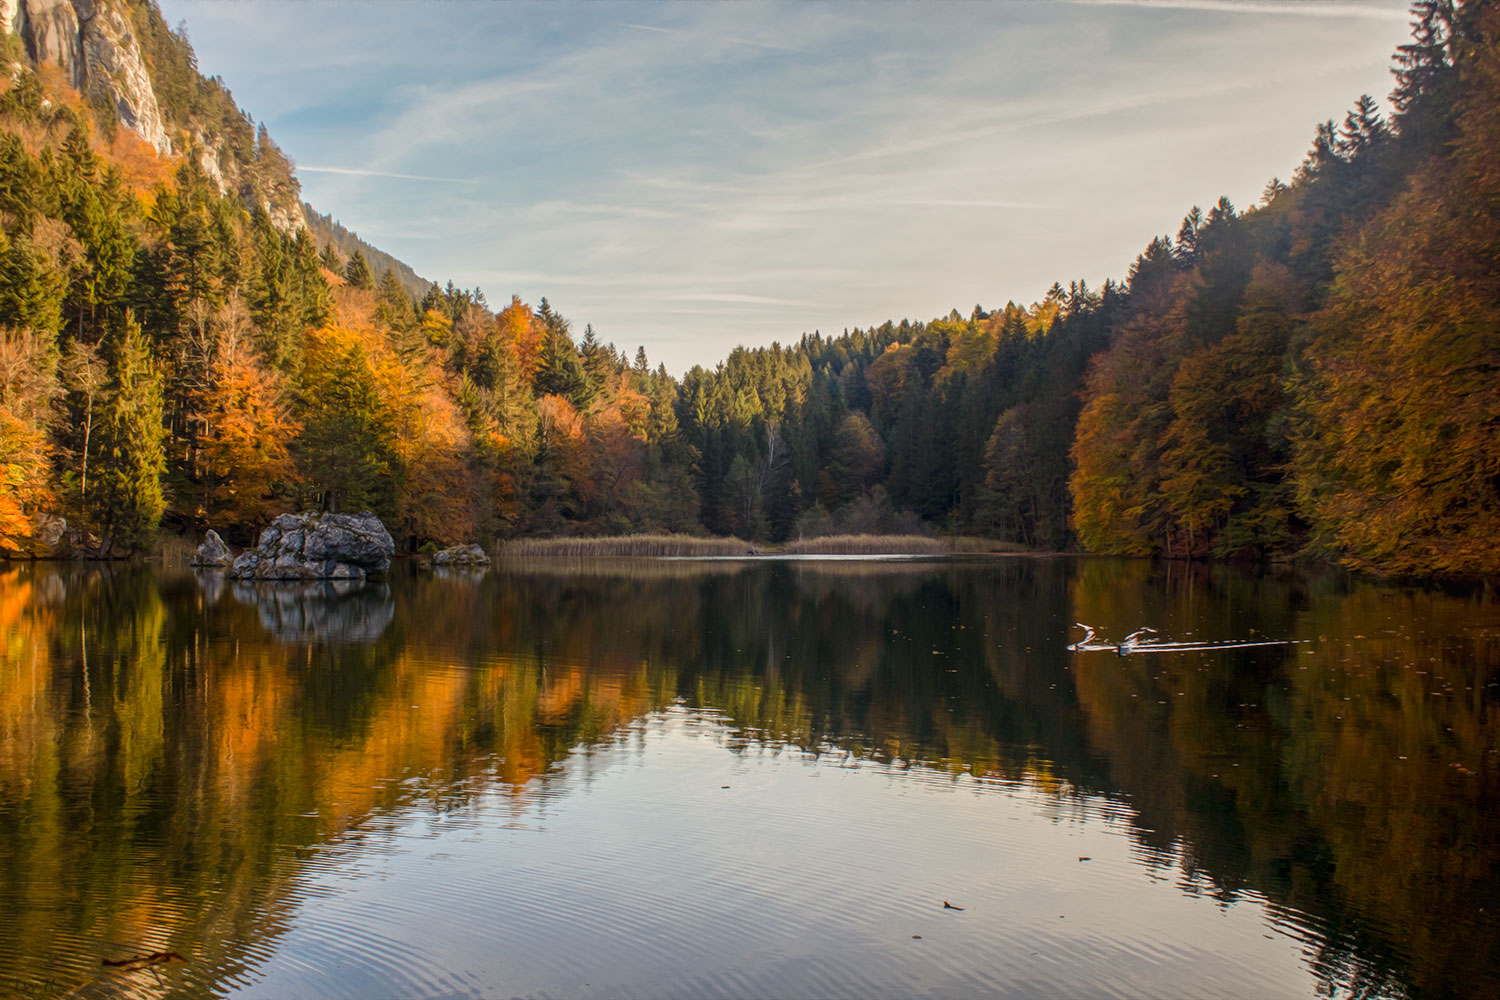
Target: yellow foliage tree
[(245, 456)]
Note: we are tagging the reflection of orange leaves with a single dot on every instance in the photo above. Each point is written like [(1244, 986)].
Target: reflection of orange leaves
[(14, 597)]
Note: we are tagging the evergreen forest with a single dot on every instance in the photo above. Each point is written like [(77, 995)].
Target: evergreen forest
[(1314, 376)]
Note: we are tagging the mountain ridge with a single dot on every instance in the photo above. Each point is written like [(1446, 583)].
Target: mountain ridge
[(136, 72)]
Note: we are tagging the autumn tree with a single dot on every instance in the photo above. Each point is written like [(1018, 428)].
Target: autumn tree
[(1398, 459), (28, 385), (246, 458)]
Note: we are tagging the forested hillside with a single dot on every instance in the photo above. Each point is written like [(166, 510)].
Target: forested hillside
[(326, 231), (1314, 375)]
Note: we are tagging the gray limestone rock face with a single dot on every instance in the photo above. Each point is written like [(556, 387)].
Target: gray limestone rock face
[(213, 552), (114, 67), (318, 547), (51, 33), (93, 42)]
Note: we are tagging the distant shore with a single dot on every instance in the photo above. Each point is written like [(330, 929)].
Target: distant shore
[(666, 545)]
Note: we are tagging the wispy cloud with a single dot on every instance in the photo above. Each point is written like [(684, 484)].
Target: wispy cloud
[(732, 298), (364, 172), (667, 173), (700, 38), (1375, 10)]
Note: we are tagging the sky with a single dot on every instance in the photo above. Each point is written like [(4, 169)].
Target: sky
[(692, 176)]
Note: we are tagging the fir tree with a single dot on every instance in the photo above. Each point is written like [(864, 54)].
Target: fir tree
[(128, 503)]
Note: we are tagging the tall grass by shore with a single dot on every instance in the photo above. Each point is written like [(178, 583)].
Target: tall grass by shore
[(667, 546), (624, 545), (175, 551), (873, 545)]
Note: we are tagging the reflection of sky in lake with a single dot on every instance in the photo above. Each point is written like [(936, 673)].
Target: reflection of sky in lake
[(512, 784), (636, 873)]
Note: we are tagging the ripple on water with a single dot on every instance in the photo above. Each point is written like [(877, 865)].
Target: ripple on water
[(655, 881)]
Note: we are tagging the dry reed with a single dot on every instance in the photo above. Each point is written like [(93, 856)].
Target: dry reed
[(175, 551), (627, 546), (873, 545)]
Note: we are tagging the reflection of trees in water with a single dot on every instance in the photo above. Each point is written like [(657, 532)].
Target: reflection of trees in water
[(167, 757), (1322, 776)]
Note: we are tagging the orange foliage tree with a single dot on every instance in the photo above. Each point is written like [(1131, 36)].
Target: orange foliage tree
[(245, 455)]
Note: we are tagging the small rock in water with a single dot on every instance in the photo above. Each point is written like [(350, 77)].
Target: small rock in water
[(461, 555), (213, 552)]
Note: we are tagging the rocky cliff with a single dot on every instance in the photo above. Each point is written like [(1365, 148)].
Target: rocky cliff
[(124, 59), (93, 43)]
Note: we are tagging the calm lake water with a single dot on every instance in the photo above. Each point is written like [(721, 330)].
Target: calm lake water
[(747, 779)]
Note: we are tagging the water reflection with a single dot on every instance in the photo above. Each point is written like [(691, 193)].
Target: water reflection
[(322, 611), (180, 760)]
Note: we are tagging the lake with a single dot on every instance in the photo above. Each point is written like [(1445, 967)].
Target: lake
[(748, 779)]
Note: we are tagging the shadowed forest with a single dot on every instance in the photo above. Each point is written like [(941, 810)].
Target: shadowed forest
[(1312, 376)]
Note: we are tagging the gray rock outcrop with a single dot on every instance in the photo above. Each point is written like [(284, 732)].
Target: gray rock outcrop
[(52, 537), (213, 553), (93, 42), (318, 547), (461, 555), (113, 66)]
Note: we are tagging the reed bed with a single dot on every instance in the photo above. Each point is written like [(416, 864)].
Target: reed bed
[(175, 551), (639, 569), (895, 545), (626, 546)]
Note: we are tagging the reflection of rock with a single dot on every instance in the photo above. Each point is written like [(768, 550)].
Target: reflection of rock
[(461, 555), (213, 552), (460, 574), (48, 590), (318, 547), (340, 610), (211, 581)]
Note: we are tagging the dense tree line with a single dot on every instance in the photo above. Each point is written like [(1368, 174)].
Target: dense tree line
[(1315, 374), (1320, 374)]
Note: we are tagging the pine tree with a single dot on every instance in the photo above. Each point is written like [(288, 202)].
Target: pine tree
[(128, 503), (330, 260), (345, 450), (357, 271), (29, 289)]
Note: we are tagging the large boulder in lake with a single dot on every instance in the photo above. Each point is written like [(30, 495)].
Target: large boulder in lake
[(213, 553), (318, 547)]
